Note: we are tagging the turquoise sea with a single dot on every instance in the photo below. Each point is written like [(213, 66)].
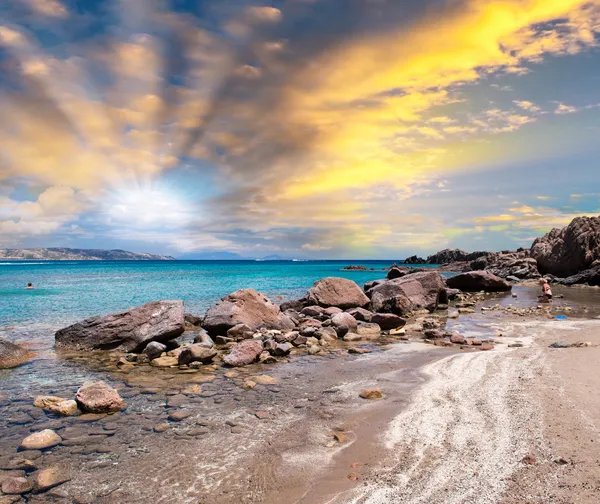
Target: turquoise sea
[(69, 291)]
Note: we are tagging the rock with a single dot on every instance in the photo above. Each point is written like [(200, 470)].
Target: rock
[(590, 277), (486, 347), (458, 339), (203, 338), (244, 353), (388, 321), (192, 320), (50, 477), (245, 306), (368, 329), (161, 427), (447, 256), (412, 292), (294, 305), (361, 314), (282, 349), (300, 340), (16, 485), (154, 349), (264, 380), (415, 260), (529, 459), (98, 397), (352, 337), (41, 440), (475, 281), (58, 405), (179, 415), (196, 353), (371, 394), (142, 359), (342, 331), (128, 331), (314, 349), (559, 344), (240, 332), (339, 292), (344, 319), (359, 351), (223, 340), (12, 355), (332, 310), (288, 337), (313, 311), (166, 361), (568, 251)]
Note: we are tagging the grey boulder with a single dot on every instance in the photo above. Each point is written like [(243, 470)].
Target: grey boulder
[(339, 292), (129, 330)]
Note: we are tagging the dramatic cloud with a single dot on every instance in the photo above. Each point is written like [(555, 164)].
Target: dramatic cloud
[(315, 128)]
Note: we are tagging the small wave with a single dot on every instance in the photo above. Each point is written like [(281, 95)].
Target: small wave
[(21, 263)]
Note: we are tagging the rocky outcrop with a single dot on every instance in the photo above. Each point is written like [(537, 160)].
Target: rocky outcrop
[(412, 292), (245, 306), (244, 353), (475, 281), (12, 355), (415, 260), (339, 292), (590, 277), (129, 330), (504, 264), (98, 397), (569, 251), (447, 256)]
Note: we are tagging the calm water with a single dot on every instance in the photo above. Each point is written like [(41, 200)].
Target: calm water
[(69, 291)]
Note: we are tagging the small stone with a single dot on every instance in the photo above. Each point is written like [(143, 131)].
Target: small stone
[(198, 431), (458, 339), (359, 351), (340, 437), (50, 477), (515, 345), (371, 394), (261, 415), (98, 397), (16, 485), (486, 348), (282, 349), (162, 427), (58, 405), (165, 362), (177, 401), (353, 476), (249, 384), (314, 349), (529, 459), (559, 344), (154, 349), (179, 415), (264, 380), (231, 374), (349, 337), (41, 440)]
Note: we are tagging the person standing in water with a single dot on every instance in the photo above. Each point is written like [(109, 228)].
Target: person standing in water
[(30, 285), (546, 296)]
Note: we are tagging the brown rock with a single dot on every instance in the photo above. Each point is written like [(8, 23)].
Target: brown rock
[(486, 348), (244, 353), (12, 355), (196, 353), (529, 459), (50, 477), (16, 485), (458, 339), (129, 330), (165, 361), (475, 281), (98, 397), (371, 394), (58, 405), (388, 321), (247, 307), (339, 292), (41, 440)]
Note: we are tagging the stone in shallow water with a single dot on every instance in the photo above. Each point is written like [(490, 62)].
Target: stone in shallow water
[(165, 362), (58, 405), (162, 427), (179, 415), (16, 486), (371, 394), (41, 440), (98, 397), (50, 477)]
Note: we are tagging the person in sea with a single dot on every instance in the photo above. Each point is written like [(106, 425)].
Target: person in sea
[(546, 296), (30, 285)]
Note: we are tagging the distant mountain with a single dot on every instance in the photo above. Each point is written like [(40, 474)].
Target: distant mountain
[(217, 255), (272, 257), (68, 254)]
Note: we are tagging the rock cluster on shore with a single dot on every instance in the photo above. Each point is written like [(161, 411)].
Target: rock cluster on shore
[(567, 256)]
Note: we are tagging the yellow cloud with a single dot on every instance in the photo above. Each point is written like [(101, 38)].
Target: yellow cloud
[(50, 8)]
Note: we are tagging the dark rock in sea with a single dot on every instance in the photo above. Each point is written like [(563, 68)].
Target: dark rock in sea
[(357, 268), (415, 260), (154, 349), (369, 285), (388, 321), (447, 256), (590, 277), (409, 293), (339, 292), (245, 306), (571, 250), (244, 353), (475, 281), (196, 353), (98, 397), (12, 355), (192, 320), (361, 314), (129, 330)]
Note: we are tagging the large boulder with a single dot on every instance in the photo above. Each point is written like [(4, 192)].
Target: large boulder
[(98, 397), (568, 251), (12, 355), (339, 292), (475, 281), (129, 330), (244, 353), (245, 306), (412, 292), (590, 276)]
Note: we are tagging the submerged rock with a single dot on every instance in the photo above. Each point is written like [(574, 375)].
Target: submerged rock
[(475, 281), (98, 397), (244, 353), (12, 355), (154, 349), (129, 330), (58, 405), (245, 306), (339, 292), (41, 440), (50, 477), (196, 353), (16, 485)]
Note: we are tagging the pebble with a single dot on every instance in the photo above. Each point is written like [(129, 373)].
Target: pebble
[(41, 440), (50, 477), (179, 415), (162, 427), (16, 485), (264, 380), (371, 394), (359, 351)]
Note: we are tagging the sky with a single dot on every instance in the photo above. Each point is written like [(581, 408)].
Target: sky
[(302, 128)]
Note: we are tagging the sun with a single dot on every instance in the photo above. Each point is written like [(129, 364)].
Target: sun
[(151, 206)]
